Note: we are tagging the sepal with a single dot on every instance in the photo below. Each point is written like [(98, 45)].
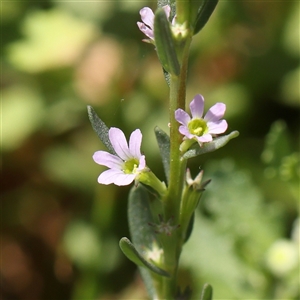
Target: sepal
[(191, 196), (217, 143), (149, 179), (164, 43), (100, 128), (131, 253)]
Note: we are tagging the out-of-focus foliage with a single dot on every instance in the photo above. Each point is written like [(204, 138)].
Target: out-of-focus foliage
[(60, 228)]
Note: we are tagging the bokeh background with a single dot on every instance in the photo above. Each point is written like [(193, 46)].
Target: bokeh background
[(60, 229)]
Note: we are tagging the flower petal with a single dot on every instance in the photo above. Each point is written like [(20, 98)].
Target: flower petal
[(146, 30), (108, 160), (197, 107), (124, 179), (204, 138), (115, 176), (119, 143), (185, 131), (167, 10), (147, 16), (135, 142), (217, 127), (182, 117), (142, 163), (215, 113)]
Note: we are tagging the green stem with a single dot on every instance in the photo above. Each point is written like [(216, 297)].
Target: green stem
[(177, 166), (172, 245)]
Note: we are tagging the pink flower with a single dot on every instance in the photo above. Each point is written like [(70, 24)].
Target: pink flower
[(198, 128), (127, 164), (147, 16)]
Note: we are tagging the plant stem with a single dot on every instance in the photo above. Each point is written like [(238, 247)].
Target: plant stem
[(172, 244)]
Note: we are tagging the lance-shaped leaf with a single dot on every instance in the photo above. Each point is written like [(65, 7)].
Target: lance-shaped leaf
[(163, 141), (211, 146), (142, 234), (129, 250), (207, 292), (100, 128), (204, 12), (164, 43)]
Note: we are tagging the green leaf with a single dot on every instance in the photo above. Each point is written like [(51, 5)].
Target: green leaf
[(129, 250), (142, 234), (163, 141), (207, 292), (209, 147), (164, 43), (100, 128), (205, 10)]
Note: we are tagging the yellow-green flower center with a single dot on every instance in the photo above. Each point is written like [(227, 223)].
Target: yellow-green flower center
[(197, 127), (130, 166)]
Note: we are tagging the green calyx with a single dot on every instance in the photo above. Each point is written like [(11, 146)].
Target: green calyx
[(148, 178), (197, 127)]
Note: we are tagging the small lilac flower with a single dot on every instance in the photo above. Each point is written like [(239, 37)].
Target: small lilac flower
[(198, 128), (147, 16), (126, 166)]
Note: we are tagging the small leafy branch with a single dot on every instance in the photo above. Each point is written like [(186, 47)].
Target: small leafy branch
[(161, 214)]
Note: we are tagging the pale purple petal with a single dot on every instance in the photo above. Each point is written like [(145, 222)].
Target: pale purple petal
[(182, 117), (167, 10), (142, 163), (197, 107), (108, 176), (215, 113), (119, 143), (147, 16), (204, 138), (106, 159), (115, 176), (124, 179), (217, 127), (135, 142), (146, 30), (185, 131)]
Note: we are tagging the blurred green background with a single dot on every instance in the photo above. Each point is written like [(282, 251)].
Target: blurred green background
[(60, 229)]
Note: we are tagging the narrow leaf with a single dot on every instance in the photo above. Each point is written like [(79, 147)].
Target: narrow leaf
[(129, 250), (165, 46), (209, 147), (143, 236), (163, 141), (207, 292), (205, 10), (100, 128)]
